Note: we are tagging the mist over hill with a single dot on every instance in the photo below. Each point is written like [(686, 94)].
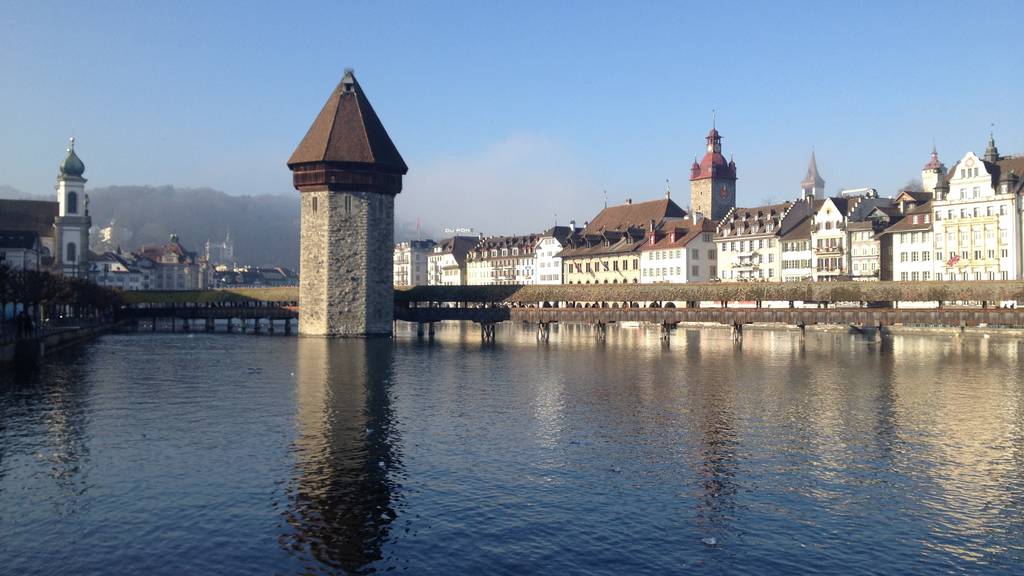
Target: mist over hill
[(265, 229)]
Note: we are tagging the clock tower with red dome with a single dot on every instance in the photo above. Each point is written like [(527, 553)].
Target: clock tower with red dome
[(713, 180)]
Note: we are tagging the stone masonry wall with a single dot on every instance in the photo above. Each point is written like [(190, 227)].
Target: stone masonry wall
[(346, 264), (705, 197)]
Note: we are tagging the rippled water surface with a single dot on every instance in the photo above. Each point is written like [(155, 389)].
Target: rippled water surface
[(220, 454)]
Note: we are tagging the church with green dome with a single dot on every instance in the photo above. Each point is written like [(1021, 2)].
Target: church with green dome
[(71, 226)]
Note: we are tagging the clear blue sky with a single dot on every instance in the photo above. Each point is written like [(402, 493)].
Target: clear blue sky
[(509, 112)]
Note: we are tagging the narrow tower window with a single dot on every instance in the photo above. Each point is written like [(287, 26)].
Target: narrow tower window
[(348, 205), (314, 204), (72, 252), (72, 203)]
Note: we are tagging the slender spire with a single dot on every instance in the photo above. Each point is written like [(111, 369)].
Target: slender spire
[(813, 179), (668, 189), (991, 153)]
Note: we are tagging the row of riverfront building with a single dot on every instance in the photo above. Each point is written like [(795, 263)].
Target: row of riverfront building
[(963, 223)]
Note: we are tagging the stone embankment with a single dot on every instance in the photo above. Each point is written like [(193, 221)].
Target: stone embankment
[(31, 351)]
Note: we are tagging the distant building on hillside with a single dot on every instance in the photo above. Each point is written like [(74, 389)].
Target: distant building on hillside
[(166, 267), (221, 252)]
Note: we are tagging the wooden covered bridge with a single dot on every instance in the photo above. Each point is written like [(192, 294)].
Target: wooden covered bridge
[(869, 306)]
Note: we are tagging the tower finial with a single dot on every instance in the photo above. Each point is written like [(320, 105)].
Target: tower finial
[(714, 118), (668, 189), (71, 144)]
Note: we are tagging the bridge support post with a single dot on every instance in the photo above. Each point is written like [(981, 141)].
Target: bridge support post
[(543, 331), (152, 326), (487, 332), (666, 331), (803, 330), (230, 327), (270, 326), (242, 322), (878, 332), (184, 325), (430, 330), (419, 329), (256, 325), (287, 326), (737, 332), (209, 324), (601, 330)]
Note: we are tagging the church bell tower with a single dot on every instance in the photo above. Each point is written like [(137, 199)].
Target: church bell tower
[(348, 173), (71, 227)]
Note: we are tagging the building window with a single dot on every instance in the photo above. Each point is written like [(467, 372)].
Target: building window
[(348, 205), (72, 203), (72, 252), (695, 270)]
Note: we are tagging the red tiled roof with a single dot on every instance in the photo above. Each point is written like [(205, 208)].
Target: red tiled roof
[(684, 231), (635, 215)]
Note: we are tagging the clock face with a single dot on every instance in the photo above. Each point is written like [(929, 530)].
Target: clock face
[(969, 162), (723, 193)]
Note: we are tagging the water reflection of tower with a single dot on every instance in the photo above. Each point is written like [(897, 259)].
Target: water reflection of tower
[(341, 501), (717, 443)]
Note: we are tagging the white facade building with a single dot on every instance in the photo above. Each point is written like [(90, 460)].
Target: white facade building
[(411, 262), (912, 246), (977, 219), (548, 266), (681, 250)]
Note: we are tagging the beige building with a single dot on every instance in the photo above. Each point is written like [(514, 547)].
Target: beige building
[(172, 267), (978, 218), (748, 243), (502, 260), (681, 250), (446, 265), (607, 251)]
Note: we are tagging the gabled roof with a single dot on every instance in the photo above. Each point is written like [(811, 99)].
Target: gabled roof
[(457, 246), (347, 130), (801, 231), (685, 230), (634, 215), (34, 215), (917, 220), (753, 221)]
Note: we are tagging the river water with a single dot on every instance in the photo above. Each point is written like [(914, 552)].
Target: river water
[(232, 454)]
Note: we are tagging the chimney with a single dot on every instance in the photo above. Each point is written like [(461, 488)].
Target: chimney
[(572, 225), (651, 225), (697, 217)]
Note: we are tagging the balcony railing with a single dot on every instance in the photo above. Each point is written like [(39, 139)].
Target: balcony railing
[(829, 250)]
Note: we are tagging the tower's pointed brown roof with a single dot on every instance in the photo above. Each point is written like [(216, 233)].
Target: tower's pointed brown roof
[(347, 130)]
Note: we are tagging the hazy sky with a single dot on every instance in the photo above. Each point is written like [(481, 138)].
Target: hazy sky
[(509, 112)]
